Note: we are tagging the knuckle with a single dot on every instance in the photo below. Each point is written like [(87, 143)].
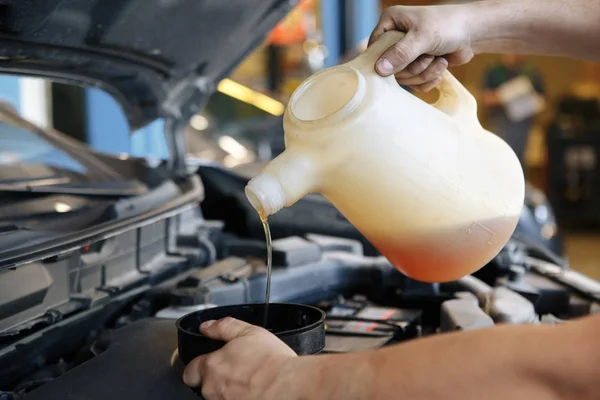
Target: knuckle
[(442, 64), (393, 10), (429, 74), (435, 70), (402, 52), (389, 13), (212, 361), (225, 323), (432, 37), (435, 37), (466, 56), (420, 64), (425, 60)]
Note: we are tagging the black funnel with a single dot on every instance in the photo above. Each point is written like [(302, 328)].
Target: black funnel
[(299, 326)]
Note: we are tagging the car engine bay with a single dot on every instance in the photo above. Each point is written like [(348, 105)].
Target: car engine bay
[(91, 290), (115, 335)]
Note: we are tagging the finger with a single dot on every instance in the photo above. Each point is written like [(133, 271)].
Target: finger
[(402, 53), (460, 57), (426, 87), (226, 329), (192, 375), (433, 71), (385, 24), (416, 67)]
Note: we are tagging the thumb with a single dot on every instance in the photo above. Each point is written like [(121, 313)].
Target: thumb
[(226, 329), (402, 53)]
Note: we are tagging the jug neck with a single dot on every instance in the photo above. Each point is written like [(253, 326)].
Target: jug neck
[(265, 194), (284, 180)]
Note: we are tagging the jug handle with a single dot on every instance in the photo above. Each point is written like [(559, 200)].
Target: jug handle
[(454, 100)]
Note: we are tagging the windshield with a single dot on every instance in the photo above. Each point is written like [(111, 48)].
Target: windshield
[(233, 132), (40, 176), (26, 155)]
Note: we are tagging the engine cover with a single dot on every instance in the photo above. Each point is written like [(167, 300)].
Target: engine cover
[(136, 366)]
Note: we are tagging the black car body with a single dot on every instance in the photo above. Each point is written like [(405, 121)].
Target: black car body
[(98, 253)]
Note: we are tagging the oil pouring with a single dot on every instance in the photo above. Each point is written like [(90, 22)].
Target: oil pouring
[(426, 184), (269, 242)]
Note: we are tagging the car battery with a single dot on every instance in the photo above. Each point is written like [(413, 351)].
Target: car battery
[(358, 325)]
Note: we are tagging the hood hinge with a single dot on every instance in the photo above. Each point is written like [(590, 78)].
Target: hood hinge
[(182, 103)]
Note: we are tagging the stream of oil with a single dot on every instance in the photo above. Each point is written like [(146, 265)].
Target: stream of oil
[(265, 224)]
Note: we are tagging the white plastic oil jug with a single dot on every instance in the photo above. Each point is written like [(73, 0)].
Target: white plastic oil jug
[(427, 185)]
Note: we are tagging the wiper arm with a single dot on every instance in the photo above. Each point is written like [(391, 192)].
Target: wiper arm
[(33, 182), (100, 189)]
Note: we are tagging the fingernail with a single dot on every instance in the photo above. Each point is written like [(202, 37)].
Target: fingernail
[(384, 66), (207, 324)]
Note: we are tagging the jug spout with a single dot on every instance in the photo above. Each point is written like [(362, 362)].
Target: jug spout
[(284, 180)]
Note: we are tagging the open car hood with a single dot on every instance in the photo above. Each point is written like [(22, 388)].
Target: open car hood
[(158, 58)]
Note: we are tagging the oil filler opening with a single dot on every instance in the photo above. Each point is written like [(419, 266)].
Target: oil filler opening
[(339, 89)]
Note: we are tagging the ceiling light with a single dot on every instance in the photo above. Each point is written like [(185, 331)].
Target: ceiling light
[(247, 95), (61, 207), (233, 147), (199, 122)]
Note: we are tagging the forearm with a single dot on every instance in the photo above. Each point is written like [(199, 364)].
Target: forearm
[(567, 28), (516, 362)]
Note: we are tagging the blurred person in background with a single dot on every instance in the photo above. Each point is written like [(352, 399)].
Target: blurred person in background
[(528, 100)]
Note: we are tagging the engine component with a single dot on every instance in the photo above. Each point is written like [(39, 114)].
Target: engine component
[(287, 252), (213, 272), (464, 314), (510, 307), (135, 365), (295, 251), (332, 243)]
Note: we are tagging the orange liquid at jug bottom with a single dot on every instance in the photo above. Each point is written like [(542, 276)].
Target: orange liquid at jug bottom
[(450, 254)]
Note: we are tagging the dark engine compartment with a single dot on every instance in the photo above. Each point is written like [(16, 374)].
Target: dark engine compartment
[(119, 344)]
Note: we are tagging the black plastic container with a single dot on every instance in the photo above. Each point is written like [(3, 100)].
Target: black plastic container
[(299, 326)]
